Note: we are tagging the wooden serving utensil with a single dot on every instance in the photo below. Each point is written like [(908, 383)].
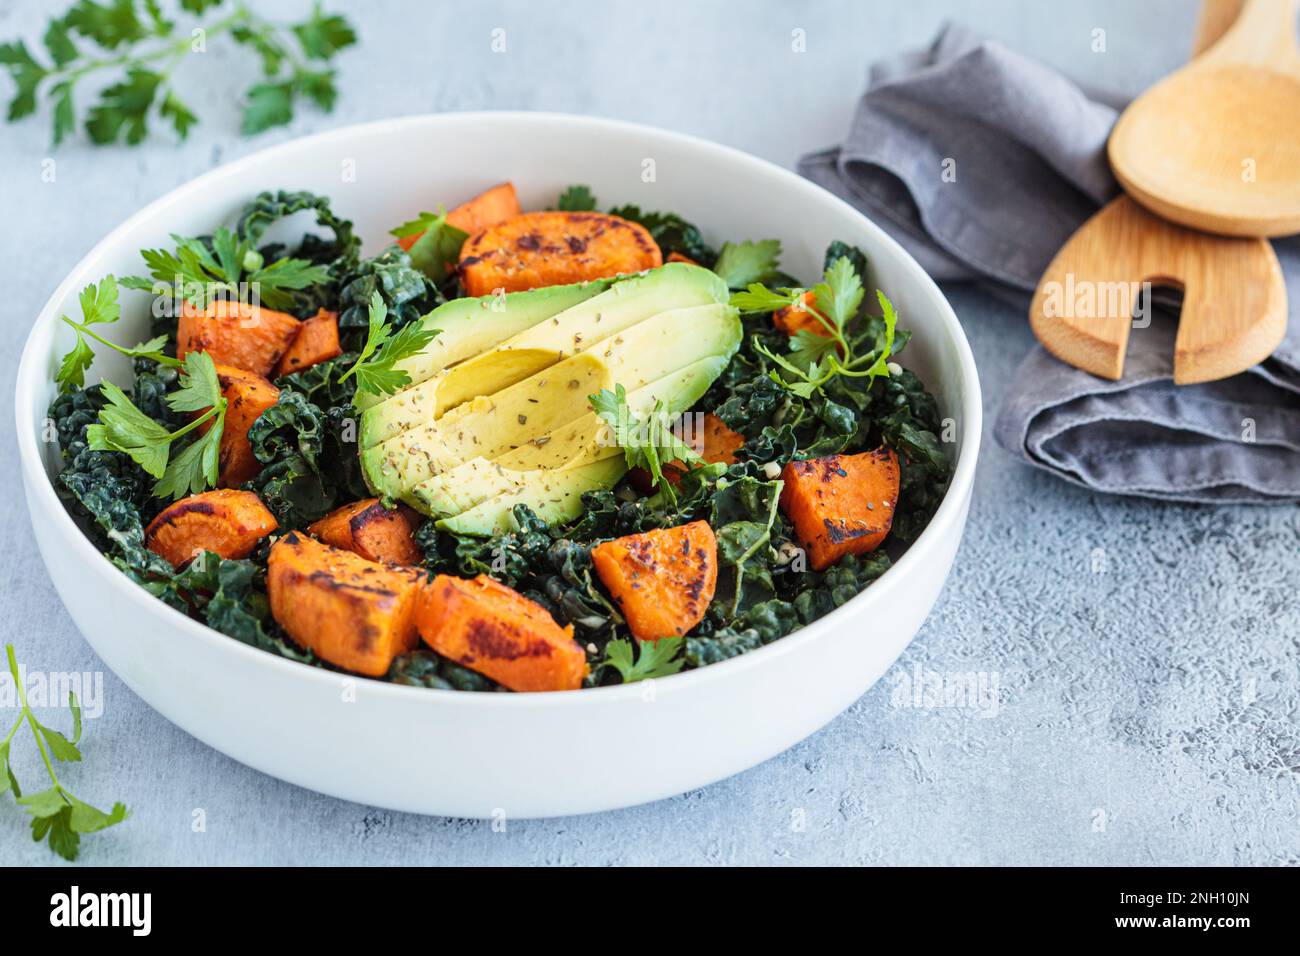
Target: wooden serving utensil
[(1216, 146), (1234, 299)]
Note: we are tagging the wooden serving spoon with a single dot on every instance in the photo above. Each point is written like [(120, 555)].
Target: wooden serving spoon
[(1234, 298), (1216, 145)]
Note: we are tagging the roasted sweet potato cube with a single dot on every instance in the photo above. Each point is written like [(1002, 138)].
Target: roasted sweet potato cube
[(247, 396), (317, 341), (246, 336), (715, 443), (355, 614), (663, 580), (490, 628), (841, 504), (372, 531), (226, 522), (796, 318), (540, 249)]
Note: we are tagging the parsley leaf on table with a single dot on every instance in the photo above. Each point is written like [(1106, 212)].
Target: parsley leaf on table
[(57, 815), (145, 48), (99, 307), (375, 368), (648, 444), (654, 658)]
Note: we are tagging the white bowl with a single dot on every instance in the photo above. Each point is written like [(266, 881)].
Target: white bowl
[(485, 755)]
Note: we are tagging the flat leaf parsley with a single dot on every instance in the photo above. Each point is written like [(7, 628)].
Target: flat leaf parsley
[(57, 816), (648, 444), (376, 367), (841, 347), (123, 427)]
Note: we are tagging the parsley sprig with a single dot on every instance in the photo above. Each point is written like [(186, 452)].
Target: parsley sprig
[(840, 348), (57, 815), (99, 306), (648, 444), (743, 264), (123, 427), (653, 659), (376, 367), (202, 273), (136, 41), (438, 245)]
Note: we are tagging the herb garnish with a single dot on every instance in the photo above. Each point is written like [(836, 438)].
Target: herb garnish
[(123, 427), (57, 816), (377, 373), (654, 658), (816, 358), (648, 444), (99, 307), (438, 246), (202, 272), (740, 265)]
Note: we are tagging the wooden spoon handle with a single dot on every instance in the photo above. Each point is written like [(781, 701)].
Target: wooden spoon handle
[(1264, 34)]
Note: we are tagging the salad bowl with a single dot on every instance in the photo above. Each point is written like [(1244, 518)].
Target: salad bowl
[(484, 754)]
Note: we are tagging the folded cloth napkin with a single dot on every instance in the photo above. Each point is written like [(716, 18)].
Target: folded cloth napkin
[(1026, 152)]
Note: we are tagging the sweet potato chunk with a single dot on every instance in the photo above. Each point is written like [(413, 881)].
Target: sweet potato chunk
[(554, 248), (226, 522), (714, 442), (372, 531), (486, 209), (355, 614), (236, 333), (663, 580), (247, 396), (794, 319), (317, 341), (841, 504), (490, 628), (678, 257)]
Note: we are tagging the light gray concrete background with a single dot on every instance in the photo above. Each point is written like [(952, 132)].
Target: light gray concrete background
[(1148, 709)]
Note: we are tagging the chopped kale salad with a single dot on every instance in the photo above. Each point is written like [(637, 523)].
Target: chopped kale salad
[(513, 451)]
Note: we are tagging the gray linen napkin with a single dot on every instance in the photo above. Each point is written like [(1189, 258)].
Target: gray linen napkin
[(1027, 147)]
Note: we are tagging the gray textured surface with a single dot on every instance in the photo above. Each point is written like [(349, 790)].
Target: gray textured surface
[(1146, 654)]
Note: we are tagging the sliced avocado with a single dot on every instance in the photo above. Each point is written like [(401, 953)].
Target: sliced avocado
[(487, 426), (469, 327), (587, 439), (625, 304), (554, 495), (578, 443), (533, 410), (465, 486)]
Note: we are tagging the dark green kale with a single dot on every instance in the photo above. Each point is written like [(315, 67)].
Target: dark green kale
[(672, 233), (406, 292), (424, 668), (269, 208), (309, 459)]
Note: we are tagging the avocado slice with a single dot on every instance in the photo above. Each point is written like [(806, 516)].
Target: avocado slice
[(490, 425), (469, 327), (486, 426), (554, 495), (625, 304), (578, 443)]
